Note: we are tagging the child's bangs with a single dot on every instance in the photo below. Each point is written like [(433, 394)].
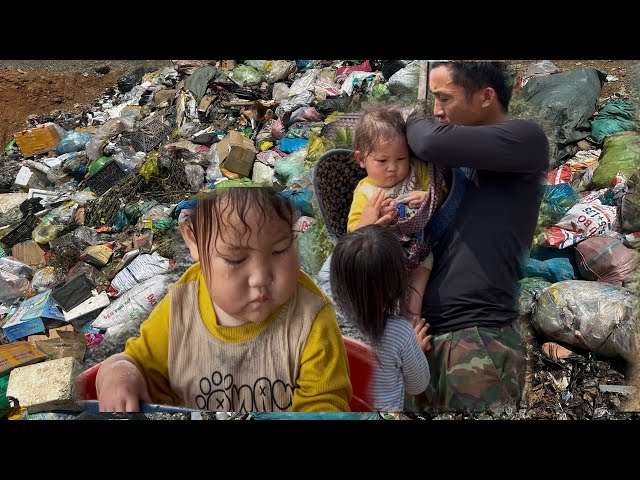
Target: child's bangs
[(216, 216)]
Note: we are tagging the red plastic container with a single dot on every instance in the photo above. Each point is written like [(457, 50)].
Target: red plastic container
[(359, 355)]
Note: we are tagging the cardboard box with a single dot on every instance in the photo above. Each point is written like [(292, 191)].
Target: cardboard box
[(30, 253), (59, 332), (30, 316), (40, 139), (67, 344), (236, 153), (18, 354)]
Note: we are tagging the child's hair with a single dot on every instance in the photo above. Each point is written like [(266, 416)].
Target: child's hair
[(378, 126), (210, 219), (368, 277)]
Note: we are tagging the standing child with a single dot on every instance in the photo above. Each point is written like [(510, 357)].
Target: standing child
[(244, 329), (396, 184), (368, 277)]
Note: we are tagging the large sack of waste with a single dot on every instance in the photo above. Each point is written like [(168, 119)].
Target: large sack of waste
[(594, 316)]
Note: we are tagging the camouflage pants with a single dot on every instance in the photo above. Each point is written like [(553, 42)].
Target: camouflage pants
[(473, 369)]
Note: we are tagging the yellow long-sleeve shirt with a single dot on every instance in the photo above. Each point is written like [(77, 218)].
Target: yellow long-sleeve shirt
[(322, 385), (418, 179)]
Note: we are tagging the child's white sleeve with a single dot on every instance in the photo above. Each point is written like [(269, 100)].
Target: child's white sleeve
[(428, 262)]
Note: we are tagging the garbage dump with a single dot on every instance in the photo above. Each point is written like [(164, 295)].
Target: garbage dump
[(89, 239)]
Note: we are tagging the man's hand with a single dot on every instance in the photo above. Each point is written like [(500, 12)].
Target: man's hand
[(378, 211), (421, 327)]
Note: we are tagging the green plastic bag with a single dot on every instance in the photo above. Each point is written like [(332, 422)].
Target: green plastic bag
[(616, 116), (5, 406), (236, 182), (246, 76), (97, 165), (620, 154)]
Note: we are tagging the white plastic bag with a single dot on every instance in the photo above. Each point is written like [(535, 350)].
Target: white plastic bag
[(134, 305), (140, 269)]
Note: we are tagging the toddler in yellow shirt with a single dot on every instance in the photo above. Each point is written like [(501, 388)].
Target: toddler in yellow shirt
[(398, 191), (244, 329)]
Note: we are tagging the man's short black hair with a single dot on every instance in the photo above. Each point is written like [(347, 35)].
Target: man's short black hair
[(474, 76)]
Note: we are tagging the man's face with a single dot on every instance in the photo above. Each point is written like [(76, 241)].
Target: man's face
[(452, 105)]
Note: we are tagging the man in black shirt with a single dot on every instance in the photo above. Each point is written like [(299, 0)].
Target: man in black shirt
[(476, 359)]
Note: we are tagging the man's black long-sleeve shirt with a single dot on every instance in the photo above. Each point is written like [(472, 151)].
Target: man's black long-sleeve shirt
[(477, 262)]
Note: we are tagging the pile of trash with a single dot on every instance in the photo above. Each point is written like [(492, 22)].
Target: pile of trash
[(91, 202)]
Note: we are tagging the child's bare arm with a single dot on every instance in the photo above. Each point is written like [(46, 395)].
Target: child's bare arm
[(413, 199), (417, 285), (377, 211), (120, 385)]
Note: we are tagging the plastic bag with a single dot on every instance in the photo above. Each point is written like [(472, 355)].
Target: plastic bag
[(213, 172), (140, 269), (552, 270), (280, 92), (620, 154), (539, 69), (195, 176), (277, 70), (406, 79), (150, 166), (314, 246), (262, 174), (304, 83), (83, 197), (135, 304), (73, 141), (46, 278), (605, 259), (289, 104), (556, 202), (591, 315), (616, 116), (300, 200), (246, 76), (15, 279), (290, 145), (154, 213), (105, 132), (129, 160), (46, 232), (583, 220), (566, 101), (291, 168), (529, 292)]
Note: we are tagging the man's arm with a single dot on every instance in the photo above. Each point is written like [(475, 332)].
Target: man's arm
[(517, 146)]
